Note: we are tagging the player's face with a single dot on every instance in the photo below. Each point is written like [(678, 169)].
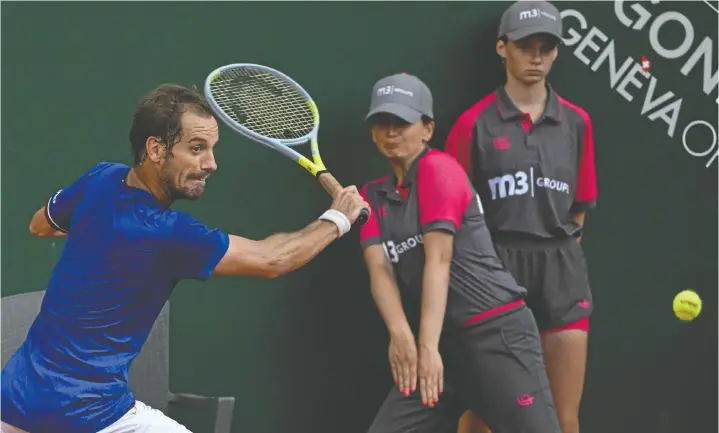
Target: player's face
[(398, 139), (184, 170), (529, 60)]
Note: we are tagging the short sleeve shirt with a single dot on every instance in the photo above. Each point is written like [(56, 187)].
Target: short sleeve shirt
[(124, 254), (530, 176), (437, 195)]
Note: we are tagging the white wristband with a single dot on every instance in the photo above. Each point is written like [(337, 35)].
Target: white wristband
[(340, 220)]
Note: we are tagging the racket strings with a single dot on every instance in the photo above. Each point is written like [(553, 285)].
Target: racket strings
[(263, 103)]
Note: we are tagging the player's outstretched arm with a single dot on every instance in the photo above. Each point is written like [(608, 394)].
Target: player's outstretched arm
[(282, 253), (278, 254)]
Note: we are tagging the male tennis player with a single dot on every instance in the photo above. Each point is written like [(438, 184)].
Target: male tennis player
[(126, 249), (530, 155), (460, 334)]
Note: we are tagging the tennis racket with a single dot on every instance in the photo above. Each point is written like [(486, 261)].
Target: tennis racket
[(269, 107)]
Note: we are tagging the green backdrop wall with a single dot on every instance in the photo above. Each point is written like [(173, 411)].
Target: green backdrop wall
[(307, 352)]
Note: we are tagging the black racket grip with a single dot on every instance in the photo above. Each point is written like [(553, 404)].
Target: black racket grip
[(363, 217)]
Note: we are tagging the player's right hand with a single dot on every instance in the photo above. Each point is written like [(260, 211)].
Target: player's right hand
[(350, 203), (403, 360)]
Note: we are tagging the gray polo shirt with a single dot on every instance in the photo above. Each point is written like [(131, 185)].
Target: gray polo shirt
[(531, 177), (437, 195)]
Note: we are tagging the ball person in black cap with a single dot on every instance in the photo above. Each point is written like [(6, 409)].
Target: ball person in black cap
[(530, 155), (460, 334)]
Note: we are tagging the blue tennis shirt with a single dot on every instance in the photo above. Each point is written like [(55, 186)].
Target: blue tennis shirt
[(124, 254)]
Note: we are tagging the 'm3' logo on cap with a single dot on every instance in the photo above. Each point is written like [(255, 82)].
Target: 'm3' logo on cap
[(535, 13), (390, 90), (531, 13)]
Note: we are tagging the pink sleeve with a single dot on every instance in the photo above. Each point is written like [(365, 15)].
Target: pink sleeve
[(587, 177), (443, 192), (369, 231), (459, 142), (461, 139)]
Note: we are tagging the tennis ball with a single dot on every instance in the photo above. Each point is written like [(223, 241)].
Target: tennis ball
[(687, 305)]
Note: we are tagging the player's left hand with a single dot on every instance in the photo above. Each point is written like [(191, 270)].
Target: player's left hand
[(430, 372)]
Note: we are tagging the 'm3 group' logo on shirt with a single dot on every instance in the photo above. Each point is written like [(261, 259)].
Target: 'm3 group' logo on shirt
[(521, 183), (393, 251)]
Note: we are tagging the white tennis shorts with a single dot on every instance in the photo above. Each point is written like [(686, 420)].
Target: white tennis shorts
[(140, 419), (144, 419)]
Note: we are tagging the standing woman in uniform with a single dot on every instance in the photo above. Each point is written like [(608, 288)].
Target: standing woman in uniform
[(460, 334), (530, 155)]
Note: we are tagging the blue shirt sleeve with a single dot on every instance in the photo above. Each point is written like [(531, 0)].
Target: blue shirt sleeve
[(61, 206), (196, 248)]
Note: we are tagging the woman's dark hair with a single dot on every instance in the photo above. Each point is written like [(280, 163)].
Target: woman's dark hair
[(159, 114)]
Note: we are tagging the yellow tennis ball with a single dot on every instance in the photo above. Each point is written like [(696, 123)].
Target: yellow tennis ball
[(687, 305)]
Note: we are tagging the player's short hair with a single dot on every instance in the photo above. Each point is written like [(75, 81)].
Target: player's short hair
[(159, 114)]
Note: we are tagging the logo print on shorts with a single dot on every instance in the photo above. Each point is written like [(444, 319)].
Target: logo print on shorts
[(501, 143), (525, 400), (584, 304)]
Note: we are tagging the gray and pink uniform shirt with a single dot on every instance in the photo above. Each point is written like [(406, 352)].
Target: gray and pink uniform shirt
[(531, 176), (437, 195)]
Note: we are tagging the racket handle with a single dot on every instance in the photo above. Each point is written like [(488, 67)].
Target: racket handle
[(330, 184), (363, 217)]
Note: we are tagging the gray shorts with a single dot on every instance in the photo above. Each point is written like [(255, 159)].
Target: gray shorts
[(494, 367), (554, 272)]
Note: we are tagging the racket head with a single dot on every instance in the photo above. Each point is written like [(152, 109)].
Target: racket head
[(262, 104)]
